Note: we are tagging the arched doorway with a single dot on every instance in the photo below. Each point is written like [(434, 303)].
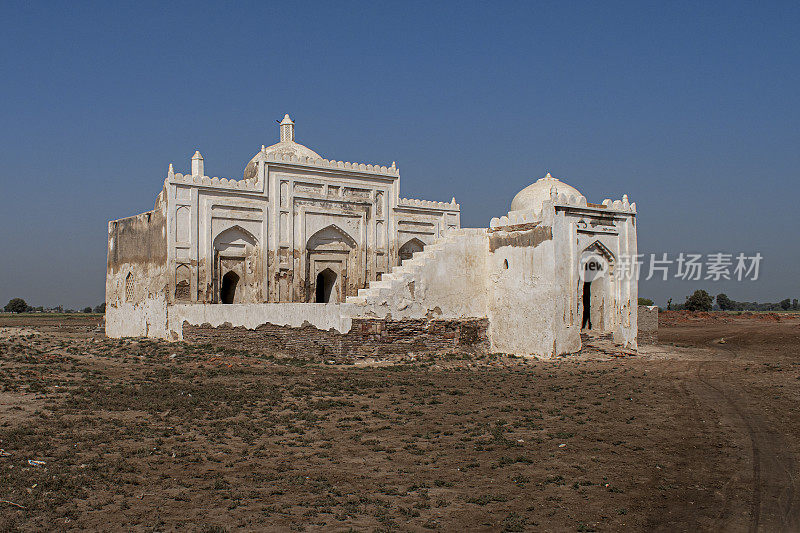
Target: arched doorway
[(227, 292), (326, 281), (593, 270), (236, 275), (595, 290), (329, 254)]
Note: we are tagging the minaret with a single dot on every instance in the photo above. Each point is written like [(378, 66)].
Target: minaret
[(197, 164), (287, 129)]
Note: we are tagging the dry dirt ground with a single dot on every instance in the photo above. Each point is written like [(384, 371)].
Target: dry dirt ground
[(697, 433)]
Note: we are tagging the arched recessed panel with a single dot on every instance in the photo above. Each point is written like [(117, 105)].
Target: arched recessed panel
[(235, 239), (183, 223), (331, 237), (182, 282), (129, 287), (410, 248), (598, 248)]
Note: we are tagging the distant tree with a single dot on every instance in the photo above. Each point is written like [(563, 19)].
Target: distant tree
[(59, 309), (645, 301), (795, 305), (669, 304), (87, 309), (16, 305), (725, 303), (786, 304), (100, 308), (699, 301)]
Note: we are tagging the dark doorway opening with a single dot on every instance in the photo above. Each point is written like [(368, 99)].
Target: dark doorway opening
[(587, 305), (228, 289), (325, 283)]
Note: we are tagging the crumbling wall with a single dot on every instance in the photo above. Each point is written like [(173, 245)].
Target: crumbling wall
[(366, 338), (648, 324), (528, 304), (137, 277)]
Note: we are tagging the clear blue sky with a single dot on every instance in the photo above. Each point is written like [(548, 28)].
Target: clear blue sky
[(691, 108)]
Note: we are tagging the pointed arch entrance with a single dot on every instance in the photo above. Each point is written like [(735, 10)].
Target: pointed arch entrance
[(235, 266), (596, 288), (329, 253)]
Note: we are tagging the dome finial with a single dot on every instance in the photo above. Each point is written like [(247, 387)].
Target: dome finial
[(548, 176), (287, 129)]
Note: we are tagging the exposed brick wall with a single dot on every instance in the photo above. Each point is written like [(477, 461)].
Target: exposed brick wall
[(648, 325), (366, 338)]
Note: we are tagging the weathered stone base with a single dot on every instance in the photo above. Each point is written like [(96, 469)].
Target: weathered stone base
[(650, 337), (366, 338), (648, 324)]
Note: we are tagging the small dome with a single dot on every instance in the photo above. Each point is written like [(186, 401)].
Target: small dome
[(287, 147), (534, 195)]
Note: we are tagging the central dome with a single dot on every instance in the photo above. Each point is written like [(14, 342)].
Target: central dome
[(286, 147), (534, 195)]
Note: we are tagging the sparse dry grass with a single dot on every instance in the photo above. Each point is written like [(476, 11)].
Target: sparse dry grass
[(153, 435)]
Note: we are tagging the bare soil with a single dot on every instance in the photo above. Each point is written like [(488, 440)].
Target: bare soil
[(698, 433)]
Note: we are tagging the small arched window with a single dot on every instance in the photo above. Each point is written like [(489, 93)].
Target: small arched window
[(129, 287), (505, 264)]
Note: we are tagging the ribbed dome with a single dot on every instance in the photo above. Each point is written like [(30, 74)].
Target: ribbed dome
[(534, 195), (287, 147)]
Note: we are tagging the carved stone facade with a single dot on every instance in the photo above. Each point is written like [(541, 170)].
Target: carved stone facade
[(297, 228)]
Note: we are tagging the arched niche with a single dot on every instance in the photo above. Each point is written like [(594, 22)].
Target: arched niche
[(234, 241), (411, 247), (332, 238)]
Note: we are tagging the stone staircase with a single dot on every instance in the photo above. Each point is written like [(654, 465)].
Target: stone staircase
[(396, 281), (400, 283)]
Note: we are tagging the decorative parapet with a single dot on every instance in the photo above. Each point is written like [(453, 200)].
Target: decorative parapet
[(253, 185), (530, 216), (620, 205), (412, 202), (346, 165), (515, 218)]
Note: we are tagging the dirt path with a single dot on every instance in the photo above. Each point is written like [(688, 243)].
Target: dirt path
[(764, 495)]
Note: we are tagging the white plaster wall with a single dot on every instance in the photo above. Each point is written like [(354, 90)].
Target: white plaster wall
[(529, 308), (250, 316), (456, 284), (147, 318), (450, 283)]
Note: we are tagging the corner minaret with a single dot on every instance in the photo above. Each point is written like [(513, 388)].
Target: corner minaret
[(287, 129), (197, 164)]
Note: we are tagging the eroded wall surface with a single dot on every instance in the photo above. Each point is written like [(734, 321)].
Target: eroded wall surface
[(137, 277), (369, 337), (528, 303)]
